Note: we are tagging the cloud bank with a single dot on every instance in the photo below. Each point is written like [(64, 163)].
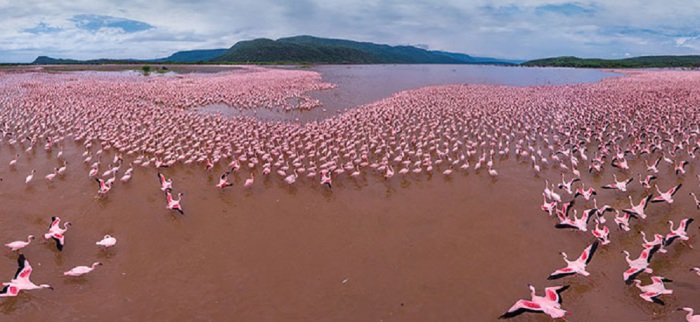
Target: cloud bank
[(524, 29)]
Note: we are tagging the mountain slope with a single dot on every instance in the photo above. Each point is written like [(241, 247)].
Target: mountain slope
[(192, 56), (634, 62), (308, 49)]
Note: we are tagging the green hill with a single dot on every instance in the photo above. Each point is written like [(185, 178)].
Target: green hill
[(634, 62), (192, 56), (308, 49), (302, 49)]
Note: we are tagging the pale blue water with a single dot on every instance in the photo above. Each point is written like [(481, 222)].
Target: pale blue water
[(362, 84)]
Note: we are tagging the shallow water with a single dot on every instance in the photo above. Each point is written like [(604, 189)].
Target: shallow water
[(414, 249), (363, 84)]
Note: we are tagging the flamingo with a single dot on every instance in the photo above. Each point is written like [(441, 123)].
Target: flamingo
[(174, 204), (326, 178), (638, 210), (696, 270), (107, 241), (13, 162), (57, 233), (165, 184), (21, 281), (587, 193), (49, 177), (567, 185), (17, 245), (62, 170), (291, 178), (29, 177), (653, 167), (578, 266), (690, 317), (104, 187), (223, 183), (577, 223), (549, 304), (646, 182), (668, 195), (623, 221), (389, 172), (639, 265), (658, 240), (695, 199), (680, 232), (81, 270), (548, 207), (249, 182), (601, 234), (651, 292), (619, 185)]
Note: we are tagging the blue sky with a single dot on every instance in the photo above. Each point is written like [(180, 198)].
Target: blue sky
[(526, 29)]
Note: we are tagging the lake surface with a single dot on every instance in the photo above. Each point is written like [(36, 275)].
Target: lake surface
[(415, 247), (363, 84)]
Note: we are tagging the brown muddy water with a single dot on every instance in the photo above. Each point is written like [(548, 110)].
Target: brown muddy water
[(424, 248), (414, 248)]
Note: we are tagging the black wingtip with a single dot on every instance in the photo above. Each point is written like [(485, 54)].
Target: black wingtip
[(658, 301), (58, 244)]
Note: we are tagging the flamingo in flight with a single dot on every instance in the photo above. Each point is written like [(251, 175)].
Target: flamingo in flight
[(57, 233), (21, 281), (578, 266), (668, 195), (174, 204), (651, 292), (549, 304), (638, 210), (165, 184), (639, 265), (223, 181), (601, 233), (104, 187), (326, 178), (680, 232), (658, 240), (619, 185)]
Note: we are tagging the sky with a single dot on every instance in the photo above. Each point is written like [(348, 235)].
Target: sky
[(514, 29)]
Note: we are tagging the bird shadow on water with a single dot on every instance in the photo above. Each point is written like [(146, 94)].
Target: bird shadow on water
[(75, 281), (105, 254), (8, 305)]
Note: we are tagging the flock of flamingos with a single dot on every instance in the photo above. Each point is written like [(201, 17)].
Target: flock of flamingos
[(127, 121)]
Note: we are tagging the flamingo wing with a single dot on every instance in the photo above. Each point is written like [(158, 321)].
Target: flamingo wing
[(587, 253), (685, 223), (24, 271), (645, 201), (54, 222), (554, 293), (562, 272), (658, 199), (652, 297), (520, 307), (675, 189), (565, 225), (630, 274)]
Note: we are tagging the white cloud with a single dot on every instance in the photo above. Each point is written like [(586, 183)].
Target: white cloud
[(507, 28)]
